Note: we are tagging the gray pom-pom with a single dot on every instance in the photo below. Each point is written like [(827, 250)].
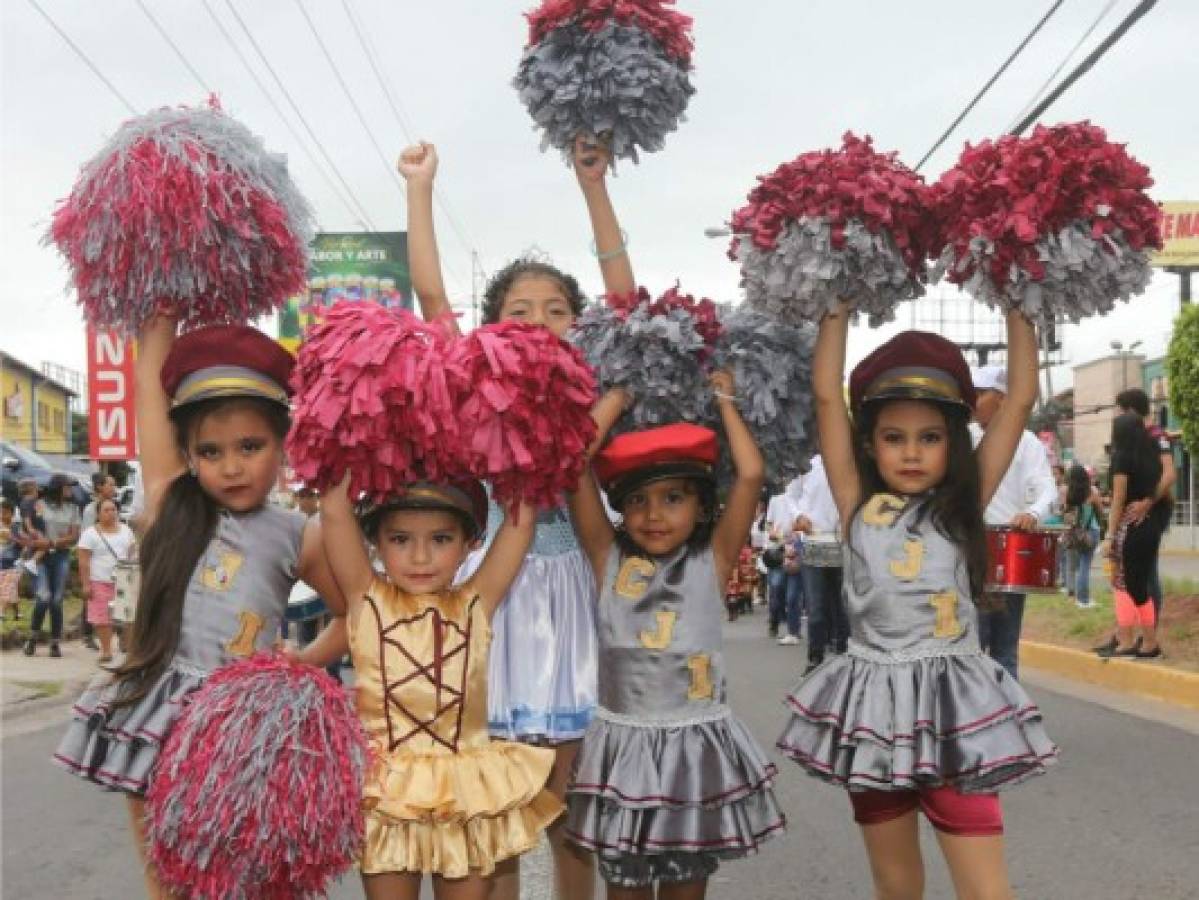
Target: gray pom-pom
[(615, 82), (657, 358), (771, 363), (1084, 276), (805, 276)]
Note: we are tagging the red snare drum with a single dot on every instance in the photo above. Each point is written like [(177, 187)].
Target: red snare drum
[(1022, 562)]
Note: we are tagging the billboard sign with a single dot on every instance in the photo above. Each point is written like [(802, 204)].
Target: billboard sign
[(1180, 235), (111, 427)]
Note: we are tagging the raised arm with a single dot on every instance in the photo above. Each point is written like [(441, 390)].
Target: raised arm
[(315, 570), (418, 166), (344, 545), (587, 510), (158, 452), (591, 162), (742, 502), (832, 415), (1002, 436), (504, 557)]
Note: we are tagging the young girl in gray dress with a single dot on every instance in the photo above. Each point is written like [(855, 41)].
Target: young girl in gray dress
[(218, 561), (668, 781), (914, 715)]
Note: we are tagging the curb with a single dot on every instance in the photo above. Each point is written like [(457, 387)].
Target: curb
[(1130, 676)]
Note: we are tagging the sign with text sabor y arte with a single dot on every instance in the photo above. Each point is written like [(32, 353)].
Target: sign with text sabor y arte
[(110, 426)]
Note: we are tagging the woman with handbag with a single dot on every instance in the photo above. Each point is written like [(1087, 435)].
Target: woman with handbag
[(101, 548), (1082, 518)]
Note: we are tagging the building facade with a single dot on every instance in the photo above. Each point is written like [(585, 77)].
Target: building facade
[(1096, 384), (36, 409)]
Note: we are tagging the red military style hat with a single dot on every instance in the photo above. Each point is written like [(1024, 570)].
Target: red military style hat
[(226, 361), (913, 365), (637, 458)]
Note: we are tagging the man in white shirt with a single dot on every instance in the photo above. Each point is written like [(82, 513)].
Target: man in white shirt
[(1023, 499), (818, 518), (784, 589)]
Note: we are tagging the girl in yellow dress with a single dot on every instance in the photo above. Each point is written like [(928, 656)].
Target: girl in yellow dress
[(441, 797)]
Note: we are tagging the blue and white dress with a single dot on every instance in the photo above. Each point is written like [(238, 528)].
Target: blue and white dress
[(542, 681)]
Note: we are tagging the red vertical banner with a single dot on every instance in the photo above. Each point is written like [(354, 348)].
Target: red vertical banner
[(110, 425)]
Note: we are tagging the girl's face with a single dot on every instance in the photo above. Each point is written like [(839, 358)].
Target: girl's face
[(662, 515), (910, 446), (106, 513), (236, 456), (539, 301), (422, 549)]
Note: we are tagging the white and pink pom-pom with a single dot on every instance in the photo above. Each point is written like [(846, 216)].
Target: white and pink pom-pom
[(184, 212), (523, 401), (257, 794), (372, 399)]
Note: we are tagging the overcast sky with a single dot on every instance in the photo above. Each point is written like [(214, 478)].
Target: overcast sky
[(774, 78)]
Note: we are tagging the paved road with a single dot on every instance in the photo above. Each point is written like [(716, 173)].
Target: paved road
[(1117, 819)]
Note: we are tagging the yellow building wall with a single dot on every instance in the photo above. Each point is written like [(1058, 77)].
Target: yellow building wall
[(52, 413)]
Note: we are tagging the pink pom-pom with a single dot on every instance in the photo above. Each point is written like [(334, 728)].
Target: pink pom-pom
[(1055, 224), (372, 399), (523, 409), (669, 28), (258, 790), (184, 212)]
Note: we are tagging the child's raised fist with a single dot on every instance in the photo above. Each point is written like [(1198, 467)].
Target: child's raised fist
[(418, 163)]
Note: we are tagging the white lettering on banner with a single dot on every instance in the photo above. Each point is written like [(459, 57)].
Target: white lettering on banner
[(111, 429)]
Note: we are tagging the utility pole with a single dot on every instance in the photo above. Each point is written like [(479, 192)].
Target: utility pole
[(477, 275)]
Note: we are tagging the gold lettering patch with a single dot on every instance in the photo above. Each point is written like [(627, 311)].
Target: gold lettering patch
[(660, 638), (700, 665), (220, 577), (908, 568), (632, 581), (946, 624), (882, 510), (250, 623)]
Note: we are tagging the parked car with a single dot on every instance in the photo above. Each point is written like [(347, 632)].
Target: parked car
[(20, 463)]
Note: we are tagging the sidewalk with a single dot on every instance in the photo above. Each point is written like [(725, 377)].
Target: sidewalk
[(34, 682)]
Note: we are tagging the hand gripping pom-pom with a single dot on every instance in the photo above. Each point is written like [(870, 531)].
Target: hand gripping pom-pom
[(258, 790), (183, 212), (523, 404), (611, 69), (656, 350), (771, 364), (372, 398), (850, 224), (1056, 225)]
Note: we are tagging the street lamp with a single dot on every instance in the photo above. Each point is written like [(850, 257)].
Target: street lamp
[(716, 231), (1124, 355)]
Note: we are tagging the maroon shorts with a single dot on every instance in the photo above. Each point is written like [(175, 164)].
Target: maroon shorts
[(949, 810)]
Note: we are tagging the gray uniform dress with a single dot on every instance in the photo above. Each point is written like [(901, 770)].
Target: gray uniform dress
[(667, 780), (914, 702), (234, 604)]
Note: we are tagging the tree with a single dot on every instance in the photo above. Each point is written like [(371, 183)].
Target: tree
[(1182, 371)]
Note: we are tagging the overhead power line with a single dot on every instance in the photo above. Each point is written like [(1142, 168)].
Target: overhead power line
[(299, 115), (990, 81), (1107, 8), (170, 43), (1085, 66), (86, 59)]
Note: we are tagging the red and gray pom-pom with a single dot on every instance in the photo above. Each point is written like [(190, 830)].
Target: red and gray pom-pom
[(617, 70), (523, 404), (183, 211), (655, 349), (258, 790), (1056, 225), (848, 224), (372, 398)]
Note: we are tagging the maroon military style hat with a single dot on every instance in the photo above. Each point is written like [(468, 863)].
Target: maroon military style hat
[(913, 365), (466, 497), (636, 458), (226, 361)]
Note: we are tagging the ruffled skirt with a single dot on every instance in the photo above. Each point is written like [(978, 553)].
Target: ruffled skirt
[(542, 680), (456, 814), (652, 789), (957, 720), (117, 747)]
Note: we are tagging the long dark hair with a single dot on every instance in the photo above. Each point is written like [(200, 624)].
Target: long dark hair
[(171, 550), (526, 267), (1078, 487), (955, 506)]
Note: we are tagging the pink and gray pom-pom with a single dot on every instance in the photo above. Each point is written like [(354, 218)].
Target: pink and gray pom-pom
[(257, 794), (603, 73), (771, 363), (183, 211)]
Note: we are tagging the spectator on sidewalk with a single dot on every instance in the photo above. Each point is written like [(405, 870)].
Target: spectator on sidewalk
[(31, 536), (62, 519), (784, 589), (1135, 400), (1023, 500), (1081, 517), (104, 487), (101, 547), (828, 627), (10, 552)]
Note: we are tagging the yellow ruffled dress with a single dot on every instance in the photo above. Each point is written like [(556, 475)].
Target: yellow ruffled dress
[(441, 797)]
